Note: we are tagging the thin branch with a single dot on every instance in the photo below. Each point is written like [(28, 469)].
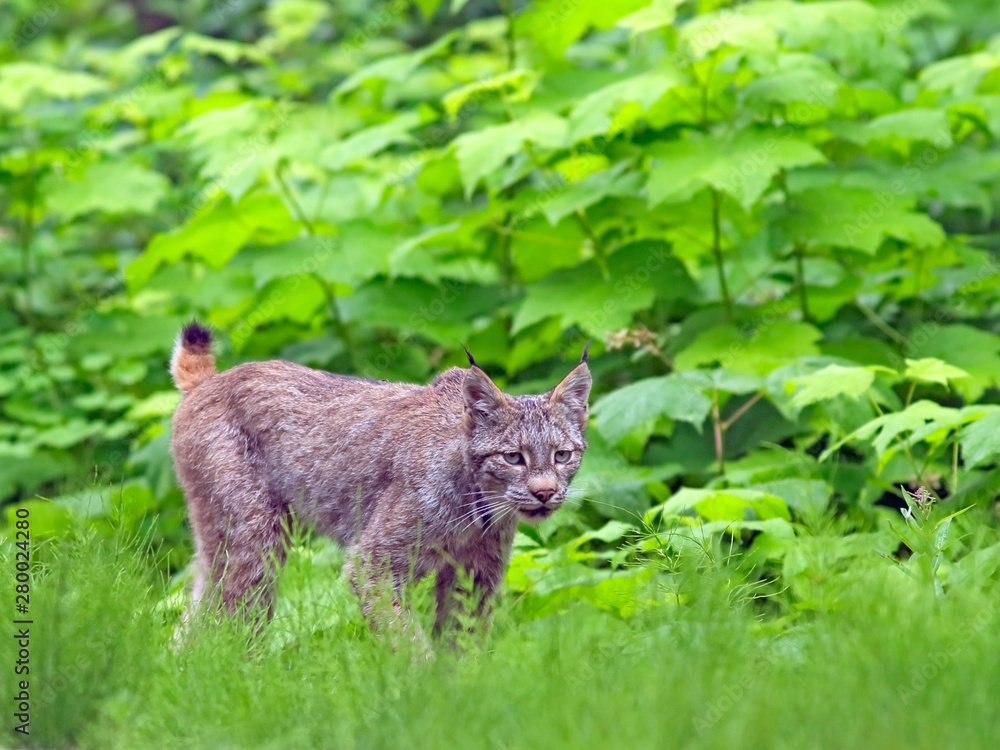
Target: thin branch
[(717, 252), (742, 410), (290, 197)]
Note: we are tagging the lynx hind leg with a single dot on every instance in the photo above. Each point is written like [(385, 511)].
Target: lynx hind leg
[(241, 544)]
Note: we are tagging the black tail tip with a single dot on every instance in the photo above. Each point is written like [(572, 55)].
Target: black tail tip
[(196, 337)]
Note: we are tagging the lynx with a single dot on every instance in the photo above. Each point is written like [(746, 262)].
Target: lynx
[(412, 479)]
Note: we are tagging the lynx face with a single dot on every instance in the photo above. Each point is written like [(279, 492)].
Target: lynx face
[(525, 449)]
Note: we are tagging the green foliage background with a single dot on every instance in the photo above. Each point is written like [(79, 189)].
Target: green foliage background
[(776, 220)]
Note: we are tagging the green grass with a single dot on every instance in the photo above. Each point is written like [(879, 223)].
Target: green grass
[(890, 665)]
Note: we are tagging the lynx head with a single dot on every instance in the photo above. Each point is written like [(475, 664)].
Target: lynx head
[(524, 450)]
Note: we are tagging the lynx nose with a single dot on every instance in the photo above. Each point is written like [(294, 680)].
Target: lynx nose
[(543, 496)]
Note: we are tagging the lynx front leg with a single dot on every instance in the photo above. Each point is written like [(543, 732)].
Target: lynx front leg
[(464, 595), (378, 582)]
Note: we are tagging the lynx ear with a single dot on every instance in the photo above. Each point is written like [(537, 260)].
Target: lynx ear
[(483, 400), (573, 392)]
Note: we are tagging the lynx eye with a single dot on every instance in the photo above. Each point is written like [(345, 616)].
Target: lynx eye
[(513, 457), (563, 456)]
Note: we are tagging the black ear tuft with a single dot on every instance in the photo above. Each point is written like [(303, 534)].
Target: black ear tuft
[(196, 337), (586, 350), (468, 354)]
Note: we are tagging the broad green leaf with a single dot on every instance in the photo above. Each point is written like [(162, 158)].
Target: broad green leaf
[(741, 166), (20, 81), (918, 124), (723, 380), (583, 296), (514, 83), (980, 440), (214, 235), (656, 15), (801, 495), (415, 308), (292, 21), (26, 468), (768, 347), (395, 67), (294, 298), (537, 248), (109, 187), (633, 405), (831, 381), (482, 151), (757, 26), (427, 7), (931, 370), (556, 24), (603, 111), (616, 181), (730, 504), (974, 350), (859, 219), (226, 49), (372, 140), (158, 404), (888, 427)]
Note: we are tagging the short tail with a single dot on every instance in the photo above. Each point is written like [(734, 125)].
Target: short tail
[(192, 361)]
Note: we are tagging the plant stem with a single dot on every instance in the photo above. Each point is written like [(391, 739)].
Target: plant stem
[(717, 429), (290, 197), (28, 234), (742, 410), (717, 252), (800, 281), (508, 10), (954, 468)]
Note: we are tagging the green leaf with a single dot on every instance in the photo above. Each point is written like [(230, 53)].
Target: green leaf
[(556, 24), (765, 349), (372, 140), (917, 124), (831, 381), (604, 111), (920, 419), (482, 151), (427, 7), (656, 15), (724, 505), (855, 218), (27, 469), (980, 440), (636, 404), (396, 67), (971, 349), (932, 370), (583, 296), (513, 83), (577, 196), (19, 81), (412, 307), (116, 187), (741, 166), (215, 234)]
